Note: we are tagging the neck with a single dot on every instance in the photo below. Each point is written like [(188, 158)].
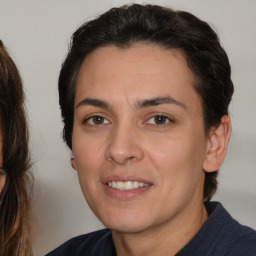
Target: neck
[(162, 240)]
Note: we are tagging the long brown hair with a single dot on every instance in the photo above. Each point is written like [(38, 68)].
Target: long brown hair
[(15, 196)]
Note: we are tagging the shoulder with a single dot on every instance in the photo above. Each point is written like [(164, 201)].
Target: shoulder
[(221, 235), (244, 242), (91, 243), (232, 237)]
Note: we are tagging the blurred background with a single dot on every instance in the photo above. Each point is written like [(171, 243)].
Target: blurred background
[(37, 35)]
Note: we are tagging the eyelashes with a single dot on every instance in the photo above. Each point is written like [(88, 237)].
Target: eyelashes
[(96, 120), (159, 120)]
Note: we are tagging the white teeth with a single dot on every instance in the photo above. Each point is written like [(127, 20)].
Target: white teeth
[(127, 185), (113, 184)]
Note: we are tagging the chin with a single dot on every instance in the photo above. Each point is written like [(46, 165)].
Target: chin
[(128, 229), (126, 223)]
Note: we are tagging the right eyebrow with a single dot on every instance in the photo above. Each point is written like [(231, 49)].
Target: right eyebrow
[(93, 102)]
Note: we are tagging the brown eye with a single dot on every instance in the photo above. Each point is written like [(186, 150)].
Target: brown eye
[(96, 120), (160, 119)]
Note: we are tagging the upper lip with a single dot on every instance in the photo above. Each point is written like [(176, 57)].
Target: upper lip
[(124, 179)]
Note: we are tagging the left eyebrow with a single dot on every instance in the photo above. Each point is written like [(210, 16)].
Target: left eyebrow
[(158, 101)]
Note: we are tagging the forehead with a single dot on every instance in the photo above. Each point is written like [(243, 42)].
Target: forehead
[(142, 70)]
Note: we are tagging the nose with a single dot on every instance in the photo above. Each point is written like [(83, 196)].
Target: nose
[(124, 145)]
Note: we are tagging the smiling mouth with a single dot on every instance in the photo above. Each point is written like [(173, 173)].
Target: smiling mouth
[(127, 185)]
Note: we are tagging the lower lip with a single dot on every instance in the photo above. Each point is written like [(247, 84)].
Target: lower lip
[(125, 194)]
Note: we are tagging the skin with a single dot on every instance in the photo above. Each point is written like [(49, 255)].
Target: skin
[(2, 181), (2, 176), (121, 132)]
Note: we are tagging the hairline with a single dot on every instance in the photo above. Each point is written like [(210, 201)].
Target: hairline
[(126, 45)]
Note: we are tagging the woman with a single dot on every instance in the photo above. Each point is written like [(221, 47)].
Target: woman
[(15, 180), (144, 94)]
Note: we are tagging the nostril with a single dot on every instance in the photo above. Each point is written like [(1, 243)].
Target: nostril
[(130, 159), (122, 150)]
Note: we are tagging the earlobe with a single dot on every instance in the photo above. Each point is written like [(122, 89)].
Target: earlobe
[(72, 161), (217, 145)]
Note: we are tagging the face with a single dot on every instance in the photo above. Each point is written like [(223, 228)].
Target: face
[(138, 137)]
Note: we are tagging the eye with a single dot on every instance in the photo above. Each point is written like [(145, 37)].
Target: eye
[(96, 120), (159, 120)]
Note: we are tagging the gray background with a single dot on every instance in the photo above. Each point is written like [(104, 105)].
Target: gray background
[(37, 35)]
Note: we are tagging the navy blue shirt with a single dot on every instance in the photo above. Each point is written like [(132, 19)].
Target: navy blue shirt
[(220, 235)]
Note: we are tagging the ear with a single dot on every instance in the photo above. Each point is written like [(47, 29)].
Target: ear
[(72, 161), (217, 145)]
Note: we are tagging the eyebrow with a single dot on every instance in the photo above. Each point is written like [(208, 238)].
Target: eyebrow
[(93, 102), (158, 101), (140, 104)]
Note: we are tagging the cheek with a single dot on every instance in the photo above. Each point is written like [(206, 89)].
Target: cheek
[(89, 158), (178, 162), (88, 152), (178, 157), (168, 150), (89, 155)]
